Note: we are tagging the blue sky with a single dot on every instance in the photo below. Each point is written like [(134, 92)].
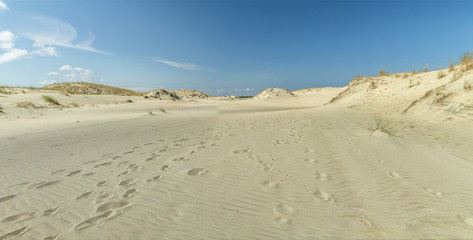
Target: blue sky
[(225, 47)]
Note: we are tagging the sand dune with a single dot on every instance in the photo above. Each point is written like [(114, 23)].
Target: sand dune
[(304, 167)]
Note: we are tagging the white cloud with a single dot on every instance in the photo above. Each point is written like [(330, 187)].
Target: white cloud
[(75, 74), (46, 51), (52, 74), (66, 68), (47, 82), (3, 6), (48, 32), (7, 45), (185, 66)]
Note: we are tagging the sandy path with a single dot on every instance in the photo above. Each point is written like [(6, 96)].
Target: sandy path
[(286, 174)]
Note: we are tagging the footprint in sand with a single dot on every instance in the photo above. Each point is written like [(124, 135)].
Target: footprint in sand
[(101, 183), (127, 182), (432, 192), (16, 233), (93, 221), (88, 174), (74, 173), (196, 171), (155, 178), (284, 214), (165, 167), (268, 167), (321, 195), (58, 171), (130, 193), (180, 159), (279, 142), (50, 212), (123, 173), (24, 216), (270, 184), (84, 195), (104, 197), (151, 158), (53, 237), (129, 152), (395, 175), (7, 198), (311, 160), (241, 151), (309, 150), (46, 184), (113, 206), (321, 176), (134, 167), (102, 164), (116, 157)]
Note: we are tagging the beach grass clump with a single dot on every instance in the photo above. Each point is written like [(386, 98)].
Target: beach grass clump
[(451, 66), (382, 126), (440, 74), (28, 105), (51, 100), (467, 61), (383, 72), (426, 68)]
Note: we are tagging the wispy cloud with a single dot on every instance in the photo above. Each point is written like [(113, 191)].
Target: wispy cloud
[(52, 74), (7, 46), (3, 6), (185, 66), (47, 82), (48, 33)]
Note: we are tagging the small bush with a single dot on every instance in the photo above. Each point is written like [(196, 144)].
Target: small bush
[(51, 100), (28, 105), (383, 72)]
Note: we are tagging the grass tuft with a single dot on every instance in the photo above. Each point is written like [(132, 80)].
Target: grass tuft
[(383, 72), (383, 126), (468, 84), (162, 110), (129, 101), (28, 105), (51, 100), (440, 74)]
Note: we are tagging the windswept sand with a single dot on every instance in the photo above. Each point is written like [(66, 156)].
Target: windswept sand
[(289, 168)]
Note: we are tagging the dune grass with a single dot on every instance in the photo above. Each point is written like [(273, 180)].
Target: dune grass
[(382, 126), (51, 100), (28, 105)]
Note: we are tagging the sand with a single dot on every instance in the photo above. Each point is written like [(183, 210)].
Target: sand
[(295, 167)]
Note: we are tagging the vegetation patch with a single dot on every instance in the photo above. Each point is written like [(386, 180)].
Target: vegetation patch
[(28, 105), (51, 100)]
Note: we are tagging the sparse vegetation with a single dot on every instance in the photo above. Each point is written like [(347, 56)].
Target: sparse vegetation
[(441, 97), (426, 68), (451, 66), (51, 100), (74, 104), (405, 75), (440, 74), (382, 126), (28, 105), (467, 61), (383, 72), (150, 113), (468, 84), (129, 101), (162, 110), (455, 76)]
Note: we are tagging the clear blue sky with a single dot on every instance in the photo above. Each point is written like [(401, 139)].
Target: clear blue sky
[(225, 47)]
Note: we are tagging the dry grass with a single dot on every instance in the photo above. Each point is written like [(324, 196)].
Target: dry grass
[(382, 126), (426, 68), (451, 66), (162, 110), (28, 105), (90, 88), (383, 72), (441, 97), (467, 61), (468, 84), (440, 74), (51, 100)]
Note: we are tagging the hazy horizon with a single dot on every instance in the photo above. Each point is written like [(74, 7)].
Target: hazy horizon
[(225, 47)]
